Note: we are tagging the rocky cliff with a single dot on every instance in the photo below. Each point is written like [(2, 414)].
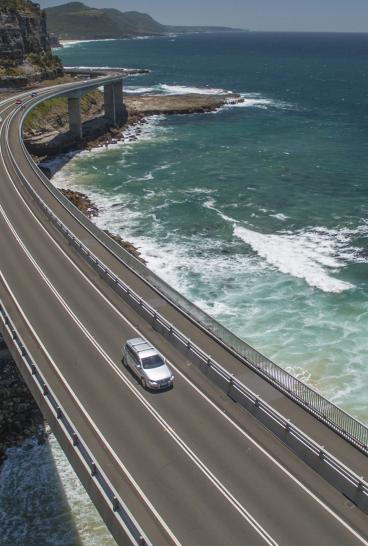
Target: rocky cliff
[(25, 53)]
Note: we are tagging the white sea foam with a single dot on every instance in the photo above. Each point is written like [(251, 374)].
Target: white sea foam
[(144, 131), (247, 100), (255, 100), (97, 68), (166, 89), (310, 254), (183, 90), (302, 255), (135, 89), (199, 191), (70, 43), (280, 216)]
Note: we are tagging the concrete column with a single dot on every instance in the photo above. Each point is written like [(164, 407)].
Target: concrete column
[(109, 103), (75, 119), (115, 110), (118, 98)]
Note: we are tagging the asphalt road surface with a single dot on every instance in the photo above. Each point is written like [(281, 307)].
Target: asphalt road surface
[(210, 471)]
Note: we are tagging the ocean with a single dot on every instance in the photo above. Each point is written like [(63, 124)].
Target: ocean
[(257, 212)]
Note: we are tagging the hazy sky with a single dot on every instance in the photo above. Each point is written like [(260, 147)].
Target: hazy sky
[(304, 15)]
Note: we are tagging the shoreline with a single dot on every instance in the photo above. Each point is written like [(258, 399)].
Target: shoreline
[(20, 418), (97, 134), (140, 109)]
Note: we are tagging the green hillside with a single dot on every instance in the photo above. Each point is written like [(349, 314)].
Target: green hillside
[(75, 20), (78, 21)]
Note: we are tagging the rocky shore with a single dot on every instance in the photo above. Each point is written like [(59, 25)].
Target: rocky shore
[(85, 205), (46, 133), (178, 104)]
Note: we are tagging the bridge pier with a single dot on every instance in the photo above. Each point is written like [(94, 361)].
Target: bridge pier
[(75, 118), (115, 110)]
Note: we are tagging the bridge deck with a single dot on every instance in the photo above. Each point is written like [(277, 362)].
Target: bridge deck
[(212, 471)]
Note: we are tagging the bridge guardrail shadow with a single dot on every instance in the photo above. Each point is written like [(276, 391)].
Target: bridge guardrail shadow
[(133, 532)]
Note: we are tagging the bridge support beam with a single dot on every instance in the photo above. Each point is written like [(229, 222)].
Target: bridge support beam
[(115, 110), (75, 119)]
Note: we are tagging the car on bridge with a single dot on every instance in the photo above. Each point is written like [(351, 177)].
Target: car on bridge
[(147, 364), (18, 101), (34, 94)]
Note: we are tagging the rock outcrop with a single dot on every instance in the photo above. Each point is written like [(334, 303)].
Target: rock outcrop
[(25, 52)]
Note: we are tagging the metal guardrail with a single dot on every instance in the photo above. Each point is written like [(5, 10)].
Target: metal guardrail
[(333, 470), (334, 417), (117, 506)]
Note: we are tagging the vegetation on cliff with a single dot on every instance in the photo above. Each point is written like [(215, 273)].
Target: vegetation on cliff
[(16, 4), (75, 20), (52, 114)]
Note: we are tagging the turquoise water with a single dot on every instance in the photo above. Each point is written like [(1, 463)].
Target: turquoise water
[(43, 503), (258, 213)]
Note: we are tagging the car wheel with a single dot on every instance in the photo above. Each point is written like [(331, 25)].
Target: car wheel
[(125, 363), (143, 383)]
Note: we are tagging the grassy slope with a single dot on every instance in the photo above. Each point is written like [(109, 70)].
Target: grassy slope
[(53, 114)]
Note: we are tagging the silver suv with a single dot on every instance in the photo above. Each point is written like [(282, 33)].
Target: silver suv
[(147, 364)]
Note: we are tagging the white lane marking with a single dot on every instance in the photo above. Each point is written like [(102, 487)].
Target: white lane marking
[(85, 413), (254, 442), (89, 419), (164, 424)]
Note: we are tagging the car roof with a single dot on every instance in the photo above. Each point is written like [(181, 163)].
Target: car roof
[(140, 345)]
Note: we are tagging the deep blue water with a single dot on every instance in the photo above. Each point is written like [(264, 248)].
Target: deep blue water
[(258, 213)]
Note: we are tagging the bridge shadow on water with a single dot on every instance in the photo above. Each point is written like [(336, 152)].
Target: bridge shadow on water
[(34, 509)]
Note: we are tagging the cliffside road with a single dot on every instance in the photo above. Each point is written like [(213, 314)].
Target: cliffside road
[(210, 473)]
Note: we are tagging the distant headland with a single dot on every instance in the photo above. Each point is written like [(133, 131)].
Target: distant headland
[(76, 21)]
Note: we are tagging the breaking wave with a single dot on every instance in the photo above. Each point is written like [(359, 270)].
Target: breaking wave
[(310, 254), (166, 89)]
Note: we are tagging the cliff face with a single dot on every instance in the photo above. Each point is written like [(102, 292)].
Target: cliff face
[(24, 42), (22, 31)]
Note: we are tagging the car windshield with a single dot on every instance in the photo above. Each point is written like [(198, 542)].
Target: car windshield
[(154, 361)]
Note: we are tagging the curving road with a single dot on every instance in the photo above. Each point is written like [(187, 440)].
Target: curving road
[(202, 470)]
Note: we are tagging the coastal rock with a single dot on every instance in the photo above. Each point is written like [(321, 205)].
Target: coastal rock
[(46, 130), (129, 247), (178, 104), (46, 133), (25, 53), (81, 201), (85, 205)]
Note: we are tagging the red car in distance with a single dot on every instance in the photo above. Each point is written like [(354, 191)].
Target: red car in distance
[(18, 101)]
